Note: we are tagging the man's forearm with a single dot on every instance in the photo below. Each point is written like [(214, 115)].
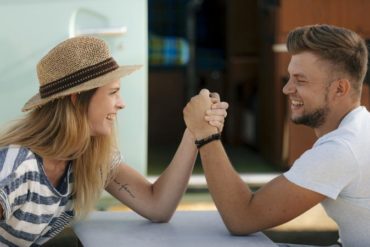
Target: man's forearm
[(228, 190)]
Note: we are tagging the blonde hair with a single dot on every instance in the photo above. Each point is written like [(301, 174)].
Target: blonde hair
[(60, 130)]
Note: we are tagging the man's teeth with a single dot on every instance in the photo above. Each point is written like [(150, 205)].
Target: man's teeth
[(297, 103)]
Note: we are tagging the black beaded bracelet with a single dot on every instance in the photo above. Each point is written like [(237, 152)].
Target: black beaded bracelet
[(208, 139)]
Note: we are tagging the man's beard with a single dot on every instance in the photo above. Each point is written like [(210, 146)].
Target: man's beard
[(313, 120)]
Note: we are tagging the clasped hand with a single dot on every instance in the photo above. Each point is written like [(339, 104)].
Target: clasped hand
[(205, 114)]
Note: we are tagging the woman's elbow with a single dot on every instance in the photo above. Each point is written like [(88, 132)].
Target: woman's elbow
[(161, 218)]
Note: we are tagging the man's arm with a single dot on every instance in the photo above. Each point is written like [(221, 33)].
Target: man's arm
[(242, 210)]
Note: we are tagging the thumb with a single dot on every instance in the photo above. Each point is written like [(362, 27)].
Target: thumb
[(204, 92)]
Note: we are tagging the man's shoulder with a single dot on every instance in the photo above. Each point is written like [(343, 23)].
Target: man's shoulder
[(354, 128)]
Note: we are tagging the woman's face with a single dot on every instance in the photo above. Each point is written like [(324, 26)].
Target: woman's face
[(103, 108)]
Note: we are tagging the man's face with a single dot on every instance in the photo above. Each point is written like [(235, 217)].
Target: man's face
[(308, 89)]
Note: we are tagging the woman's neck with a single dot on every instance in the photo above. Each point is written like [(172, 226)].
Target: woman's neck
[(54, 169)]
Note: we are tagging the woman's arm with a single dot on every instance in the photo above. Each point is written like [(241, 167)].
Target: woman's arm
[(159, 200)]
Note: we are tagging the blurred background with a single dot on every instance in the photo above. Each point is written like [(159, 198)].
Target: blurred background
[(234, 47)]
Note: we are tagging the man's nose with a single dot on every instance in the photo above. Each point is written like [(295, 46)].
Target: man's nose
[(289, 87)]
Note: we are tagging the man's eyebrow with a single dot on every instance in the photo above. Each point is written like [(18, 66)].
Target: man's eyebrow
[(298, 75)]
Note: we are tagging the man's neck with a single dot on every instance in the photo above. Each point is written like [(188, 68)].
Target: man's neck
[(334, 119)]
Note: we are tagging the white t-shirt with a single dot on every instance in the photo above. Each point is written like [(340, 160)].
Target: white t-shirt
[(338, 166)]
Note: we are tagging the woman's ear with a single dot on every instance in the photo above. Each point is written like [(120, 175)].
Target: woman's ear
[(74, 98)]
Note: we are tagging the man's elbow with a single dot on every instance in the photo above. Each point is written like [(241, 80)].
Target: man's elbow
[(239, 232), (239, 229)]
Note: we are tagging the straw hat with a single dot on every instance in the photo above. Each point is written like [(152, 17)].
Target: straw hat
[(75, 65)]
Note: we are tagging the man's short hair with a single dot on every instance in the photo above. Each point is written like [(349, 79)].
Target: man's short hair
[(343, 48)]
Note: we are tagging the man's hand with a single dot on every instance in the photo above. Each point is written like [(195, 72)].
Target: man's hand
[(217, 114)]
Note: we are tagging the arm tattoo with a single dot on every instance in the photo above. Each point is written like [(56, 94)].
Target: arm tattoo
[(123, 187)]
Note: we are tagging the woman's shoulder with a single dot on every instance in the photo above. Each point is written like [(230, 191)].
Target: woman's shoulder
[(15, 152), (12, 157), (11, 147)]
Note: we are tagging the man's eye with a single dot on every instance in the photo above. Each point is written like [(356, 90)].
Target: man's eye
[(285, 79)]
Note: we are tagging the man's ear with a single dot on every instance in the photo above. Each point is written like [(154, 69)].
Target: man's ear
[(343, 87), (73, 98)]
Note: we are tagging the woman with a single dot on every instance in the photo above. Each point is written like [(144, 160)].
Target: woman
[(55, 161)]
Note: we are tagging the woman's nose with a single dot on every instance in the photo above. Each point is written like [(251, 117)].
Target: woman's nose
[(121, 104)]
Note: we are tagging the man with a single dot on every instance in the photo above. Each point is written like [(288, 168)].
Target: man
[(327, 69)]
